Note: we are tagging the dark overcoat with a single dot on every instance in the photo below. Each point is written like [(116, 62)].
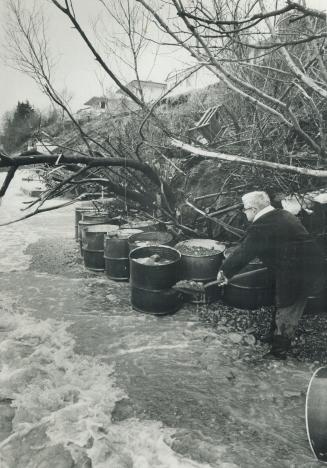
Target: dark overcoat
[(285, 247)]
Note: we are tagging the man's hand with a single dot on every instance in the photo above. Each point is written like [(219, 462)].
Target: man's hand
[(221, 278)]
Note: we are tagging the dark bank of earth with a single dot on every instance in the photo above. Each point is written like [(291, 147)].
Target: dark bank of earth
[(61, 256)]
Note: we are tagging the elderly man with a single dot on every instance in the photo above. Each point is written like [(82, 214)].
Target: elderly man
[(282, 243)]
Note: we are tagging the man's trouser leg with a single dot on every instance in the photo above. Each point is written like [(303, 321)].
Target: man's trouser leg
[(287, 320)]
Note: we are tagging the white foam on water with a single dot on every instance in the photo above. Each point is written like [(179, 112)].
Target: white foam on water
[(14, 238), (13, 243), (52, 388), (73, 396), (141, 349)]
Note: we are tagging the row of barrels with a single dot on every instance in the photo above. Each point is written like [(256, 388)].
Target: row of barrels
[(118, 250), (106, 245)]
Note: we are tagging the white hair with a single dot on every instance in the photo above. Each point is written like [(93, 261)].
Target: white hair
[(256, 199)]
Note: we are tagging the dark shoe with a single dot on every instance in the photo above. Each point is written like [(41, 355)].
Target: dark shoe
[(267, 338), (279, 348), (275, 356)]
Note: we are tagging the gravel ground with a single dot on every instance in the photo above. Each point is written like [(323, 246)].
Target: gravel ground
[(58, 257), (309, 344)]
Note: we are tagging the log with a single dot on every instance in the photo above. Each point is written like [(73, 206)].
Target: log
[(248, 162)]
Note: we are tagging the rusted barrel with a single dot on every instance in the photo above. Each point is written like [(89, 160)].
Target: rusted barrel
[(78, 217), (145, 239), (316, 414), (93, 245), (200, 261), (116, 254), (152, 279), (317, 304), (250, 292), (90, 219)]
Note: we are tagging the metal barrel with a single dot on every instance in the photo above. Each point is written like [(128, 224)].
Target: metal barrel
[(200, 259), (93, 245), (250, 292), (317, 304), (157, 302), (78, 217), (145, 239), (90, 219), (116, 254), (151, 282), (202, 265), (316, 414)]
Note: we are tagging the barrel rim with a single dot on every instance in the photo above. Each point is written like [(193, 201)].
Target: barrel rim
[(256, 288), (140, 224), (91, 223), (85, 208), (211, 254), (148, 233), (306, 409), (121, 230), (92, 228), (156, 246), (115, 258), (118, 279)]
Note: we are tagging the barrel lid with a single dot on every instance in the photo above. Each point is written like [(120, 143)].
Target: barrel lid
[(200, 247), (101, 228), (140, 243), (124, 233), (152, 237), (95, 222), (139, 224)]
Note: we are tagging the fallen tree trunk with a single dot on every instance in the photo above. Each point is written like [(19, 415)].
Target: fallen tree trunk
[(31, 158), (248, 162)]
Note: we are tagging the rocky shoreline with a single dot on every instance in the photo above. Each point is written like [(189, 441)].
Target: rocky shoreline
[(309, 344)]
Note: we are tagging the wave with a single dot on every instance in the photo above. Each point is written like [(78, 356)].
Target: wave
[(63, 404)]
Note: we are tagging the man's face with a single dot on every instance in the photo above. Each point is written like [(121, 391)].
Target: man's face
[(249, 211)]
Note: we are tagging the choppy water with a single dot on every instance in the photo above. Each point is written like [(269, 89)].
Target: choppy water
[(93, 381)]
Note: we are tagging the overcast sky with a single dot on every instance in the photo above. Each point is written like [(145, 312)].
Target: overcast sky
[(77, 70)]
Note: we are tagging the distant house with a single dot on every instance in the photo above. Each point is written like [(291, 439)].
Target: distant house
[(151, 90), (189, 79), (97, 103)]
